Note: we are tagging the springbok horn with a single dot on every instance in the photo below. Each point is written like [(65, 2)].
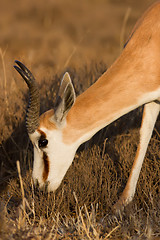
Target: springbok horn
[(33, 111)]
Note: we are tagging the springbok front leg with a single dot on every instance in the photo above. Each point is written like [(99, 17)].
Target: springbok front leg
[(150, 114)]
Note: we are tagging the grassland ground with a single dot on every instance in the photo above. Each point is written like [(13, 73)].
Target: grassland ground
[(84, 39)]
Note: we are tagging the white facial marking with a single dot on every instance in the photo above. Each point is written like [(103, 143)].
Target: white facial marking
[(60, 157)]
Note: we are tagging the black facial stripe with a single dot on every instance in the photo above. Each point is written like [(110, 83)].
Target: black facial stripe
[(46, 166), (42, 133)]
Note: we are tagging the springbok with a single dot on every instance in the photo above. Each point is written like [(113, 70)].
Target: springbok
[(133, 80)]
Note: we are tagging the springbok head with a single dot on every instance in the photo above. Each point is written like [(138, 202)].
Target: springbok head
[(52, 157)]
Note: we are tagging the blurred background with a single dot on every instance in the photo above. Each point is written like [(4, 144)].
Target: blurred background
[(50, 36)]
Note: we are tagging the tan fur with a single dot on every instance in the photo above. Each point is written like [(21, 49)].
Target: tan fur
[(45, 120), (133, 80), (138, 23), (134, 74)]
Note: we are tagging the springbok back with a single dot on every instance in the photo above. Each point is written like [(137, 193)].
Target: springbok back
[(133, 80)]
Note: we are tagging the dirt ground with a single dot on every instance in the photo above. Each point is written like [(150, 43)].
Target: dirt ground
[(83, 37)]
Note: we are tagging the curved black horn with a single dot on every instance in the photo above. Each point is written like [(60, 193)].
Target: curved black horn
[(33, 111)]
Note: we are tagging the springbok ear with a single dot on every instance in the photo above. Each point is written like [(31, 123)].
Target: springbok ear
[(66, 98)]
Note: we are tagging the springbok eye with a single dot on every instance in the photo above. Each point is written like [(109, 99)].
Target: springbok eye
[(42, 143)]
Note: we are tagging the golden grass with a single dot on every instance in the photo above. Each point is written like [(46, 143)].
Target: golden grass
[(52, 38), (82, 207)]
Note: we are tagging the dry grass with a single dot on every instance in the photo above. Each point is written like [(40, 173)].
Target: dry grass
[(49, 40), (82, 207)]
